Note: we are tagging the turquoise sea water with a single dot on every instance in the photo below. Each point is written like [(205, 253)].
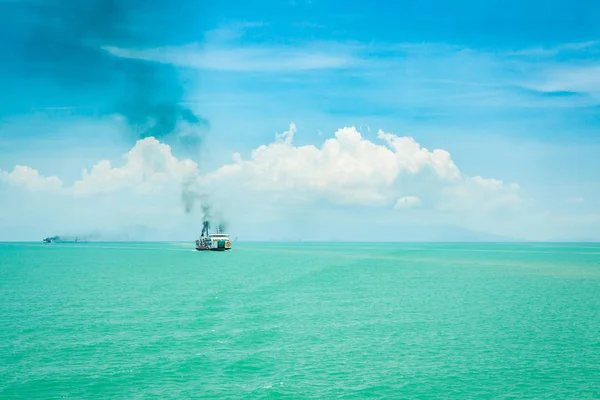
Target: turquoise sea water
[(298, 320)]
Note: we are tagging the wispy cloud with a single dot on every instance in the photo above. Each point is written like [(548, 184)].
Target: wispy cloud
[(573, 78), (247, 58), (401, 74), (231, 32), (552, 51)]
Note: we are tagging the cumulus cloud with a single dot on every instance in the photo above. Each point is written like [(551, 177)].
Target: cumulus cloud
[(345, 170), (351, 170), (29, 178), (149, 166)]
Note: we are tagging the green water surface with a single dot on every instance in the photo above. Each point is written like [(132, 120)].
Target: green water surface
[(300, 320)]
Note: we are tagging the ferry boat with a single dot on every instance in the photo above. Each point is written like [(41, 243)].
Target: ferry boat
[(212, 241)]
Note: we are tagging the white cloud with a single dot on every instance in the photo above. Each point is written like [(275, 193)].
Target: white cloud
[(552, 51), (221, 49), (29, 178), (468, 77), (149, 166), (246, 58), (480, 194), (351, 170), (407, 202), (229, 33), (575, 200), (568, 78), (281, 179)]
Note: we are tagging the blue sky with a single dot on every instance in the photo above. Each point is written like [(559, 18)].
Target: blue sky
[(511, 90)]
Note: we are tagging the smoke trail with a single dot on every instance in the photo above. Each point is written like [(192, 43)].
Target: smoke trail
[(60, 47), (67, 238), (188, 194), (191, 194), (63, 42), (206, 214)]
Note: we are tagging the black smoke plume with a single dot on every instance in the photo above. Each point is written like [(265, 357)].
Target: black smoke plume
[(191, 194), (205, 228), (63, 42), (73, 238), (61, 48)]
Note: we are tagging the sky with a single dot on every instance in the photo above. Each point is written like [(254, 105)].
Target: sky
[(300, 120)]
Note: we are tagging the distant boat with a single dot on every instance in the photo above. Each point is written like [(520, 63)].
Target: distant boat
[(60, 239), (212, 241)]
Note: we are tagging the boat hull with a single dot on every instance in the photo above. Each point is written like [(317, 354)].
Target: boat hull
[(209, 249)]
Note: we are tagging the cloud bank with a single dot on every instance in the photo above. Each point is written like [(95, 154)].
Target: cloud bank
[(348, 169), (392, 175)]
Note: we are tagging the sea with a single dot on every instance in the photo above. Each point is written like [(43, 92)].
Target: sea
[(300, 321)]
